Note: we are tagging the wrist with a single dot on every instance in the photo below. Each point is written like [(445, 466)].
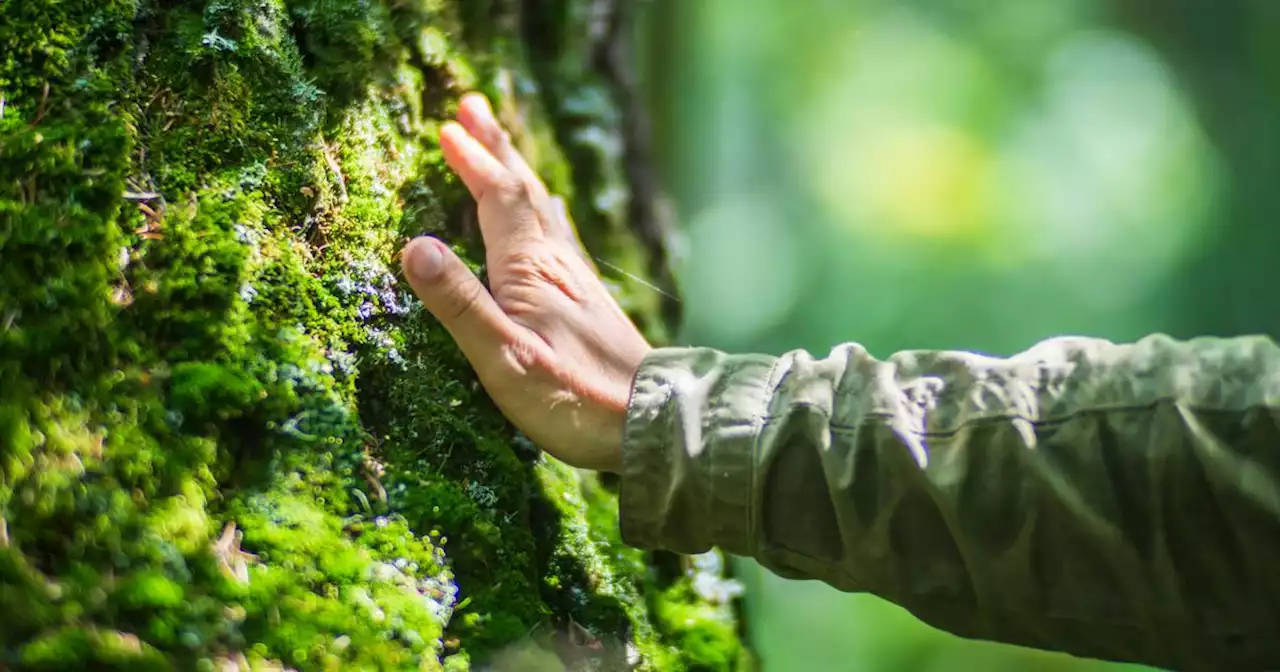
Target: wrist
[(611, 452)]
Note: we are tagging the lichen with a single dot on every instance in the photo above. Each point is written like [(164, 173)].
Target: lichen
[(230, 438)]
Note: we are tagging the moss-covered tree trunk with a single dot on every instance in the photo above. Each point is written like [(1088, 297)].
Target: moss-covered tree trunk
[(229, 437)]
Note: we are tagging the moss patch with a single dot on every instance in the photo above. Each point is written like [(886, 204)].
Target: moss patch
[(228, 433)]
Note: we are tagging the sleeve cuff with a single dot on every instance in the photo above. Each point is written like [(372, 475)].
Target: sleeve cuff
[(689, 450)]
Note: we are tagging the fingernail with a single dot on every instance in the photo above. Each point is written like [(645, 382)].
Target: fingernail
[(486, 108), (479, 105), (424, 259)]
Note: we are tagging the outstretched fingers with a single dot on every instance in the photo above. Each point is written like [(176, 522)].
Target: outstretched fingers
[(507, 215), (476, 115)]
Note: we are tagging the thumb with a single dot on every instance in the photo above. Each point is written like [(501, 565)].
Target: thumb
[(456, 297)]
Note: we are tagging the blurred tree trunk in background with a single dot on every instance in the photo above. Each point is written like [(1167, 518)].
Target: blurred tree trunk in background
[(229, 436), (1227, 55)]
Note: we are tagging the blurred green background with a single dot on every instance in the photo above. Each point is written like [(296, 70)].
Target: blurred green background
[(971, 175)]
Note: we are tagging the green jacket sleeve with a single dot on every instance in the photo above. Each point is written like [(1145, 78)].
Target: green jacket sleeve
[(1110, 501)]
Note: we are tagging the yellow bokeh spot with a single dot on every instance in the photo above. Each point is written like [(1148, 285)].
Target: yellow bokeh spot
[(910, 180)]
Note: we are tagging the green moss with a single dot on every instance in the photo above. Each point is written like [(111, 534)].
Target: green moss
[(698, 628), (82, 648), (228, 433)]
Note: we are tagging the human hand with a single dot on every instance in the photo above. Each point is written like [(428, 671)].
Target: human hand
[(550, 345)]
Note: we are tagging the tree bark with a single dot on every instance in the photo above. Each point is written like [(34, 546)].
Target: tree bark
[(229, 436)]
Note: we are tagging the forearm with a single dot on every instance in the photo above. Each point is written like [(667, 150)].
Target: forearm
[(1117, 501)]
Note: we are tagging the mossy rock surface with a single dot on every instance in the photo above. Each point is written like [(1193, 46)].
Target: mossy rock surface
[(230, 438)]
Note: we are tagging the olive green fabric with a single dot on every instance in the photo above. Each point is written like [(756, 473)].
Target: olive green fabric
[(1110, 501)]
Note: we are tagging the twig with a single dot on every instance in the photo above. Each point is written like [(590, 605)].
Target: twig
[(337, 170), (141, 195), (43, 106)]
